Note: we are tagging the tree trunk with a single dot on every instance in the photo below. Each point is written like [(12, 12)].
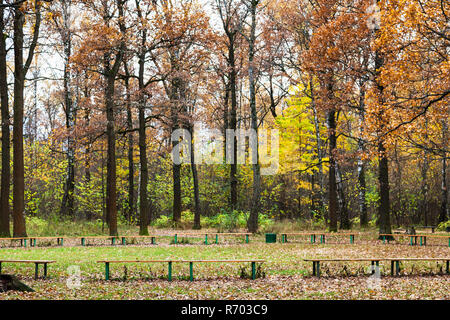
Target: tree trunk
[(19, 228), (443, 215), (67, 204), (252, 223), (332, 200), (197, 213), (343, 210), (111, 188), (6, 170), (233, 125)]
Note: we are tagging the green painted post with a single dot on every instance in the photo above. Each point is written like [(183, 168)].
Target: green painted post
[(311, 238), (1, 267), (246, 238), (321, 238), (206, 238), (351, 238), (411, 241), (421, 241), (106, 270), (169, 277), (191, 271), (397, 267), (217, 239), (113, 240), (175, 239), (124, 241), (153, 240), (318, 269), (25, 242), (62, 242), (253, 270), (384, 239), (36, 271), (82, 241), (446, 269)]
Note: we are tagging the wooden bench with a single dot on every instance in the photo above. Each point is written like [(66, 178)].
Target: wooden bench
[(36, 265), (375, 262), (170, 262), (205, 235), (413, 238), (314, 234)]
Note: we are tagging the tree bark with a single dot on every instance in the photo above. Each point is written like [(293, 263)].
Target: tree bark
[(252, 223), (332, 197), (6, 170), (19, 228)]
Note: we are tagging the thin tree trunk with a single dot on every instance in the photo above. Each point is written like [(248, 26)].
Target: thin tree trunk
[(197, 212), (67, 204), (252, 223), (443, 215)]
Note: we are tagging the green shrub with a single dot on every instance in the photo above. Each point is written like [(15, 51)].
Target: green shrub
[(443, 225)]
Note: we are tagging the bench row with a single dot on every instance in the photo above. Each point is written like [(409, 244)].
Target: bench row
[(24, 241), (395, 264)]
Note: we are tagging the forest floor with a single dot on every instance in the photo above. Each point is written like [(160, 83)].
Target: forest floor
[(284, 274)]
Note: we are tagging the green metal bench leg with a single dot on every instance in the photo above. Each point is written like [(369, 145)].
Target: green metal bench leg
[(175, 239), (124, 241), (45, 270), (206, 238), (246, 238), (153, 240), (397, 267), (191, 271), (318, 269), (36, 271), (106, 270), (169, 276), (217, 239), (253, 270), (421, 241), (113, 240), (82, 241), (411, 241), (25, 242)]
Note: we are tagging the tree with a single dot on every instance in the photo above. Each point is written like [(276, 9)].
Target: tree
[(20, 72), (6, 171)]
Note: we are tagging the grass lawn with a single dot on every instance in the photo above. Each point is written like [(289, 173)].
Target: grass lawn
[(285, 275)]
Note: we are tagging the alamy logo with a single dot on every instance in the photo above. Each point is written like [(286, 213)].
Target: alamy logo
[(74, 279), (210, 145), (374, 16)]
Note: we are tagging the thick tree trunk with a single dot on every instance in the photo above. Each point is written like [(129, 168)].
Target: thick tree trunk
[(361, 166), (343, 210), (111, 188), (384, 202), (143, 197), (19, 228), (332, 197), (6, 170)]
